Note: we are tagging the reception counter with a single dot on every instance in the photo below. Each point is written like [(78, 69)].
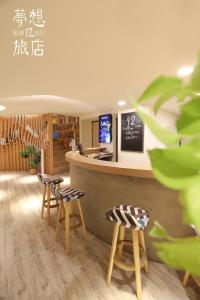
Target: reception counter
[(107, 184)]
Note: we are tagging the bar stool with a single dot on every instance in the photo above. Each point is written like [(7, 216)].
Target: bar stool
[(68, 197), (136, 219), (47, 180)]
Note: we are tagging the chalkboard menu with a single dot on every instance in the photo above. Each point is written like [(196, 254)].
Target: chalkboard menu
[(132, 132)]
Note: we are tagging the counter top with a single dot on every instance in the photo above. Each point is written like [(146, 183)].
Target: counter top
[(107, 166)]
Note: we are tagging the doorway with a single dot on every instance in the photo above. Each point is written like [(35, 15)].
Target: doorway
[(95, 134)]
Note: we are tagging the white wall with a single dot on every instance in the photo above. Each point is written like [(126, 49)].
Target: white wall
[(138, 159)]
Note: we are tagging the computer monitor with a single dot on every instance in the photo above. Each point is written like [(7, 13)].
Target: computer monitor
[(80, 149)]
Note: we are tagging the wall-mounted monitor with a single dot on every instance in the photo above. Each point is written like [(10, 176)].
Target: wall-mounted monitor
[(105, 129)]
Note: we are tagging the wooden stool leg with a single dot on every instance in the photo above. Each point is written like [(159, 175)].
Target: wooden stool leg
[(136, 254), (57, 204), (121, 238), (82, 219), (57, 200), (185, 279), (142, 243), (58, 219), (43, 201), (73, 212), (67, 208), (112, 252), (48, 203)]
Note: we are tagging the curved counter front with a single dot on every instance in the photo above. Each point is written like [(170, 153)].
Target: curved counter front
[(107, 184)]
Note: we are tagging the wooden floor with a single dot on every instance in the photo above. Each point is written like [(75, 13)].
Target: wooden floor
[(34, 266)]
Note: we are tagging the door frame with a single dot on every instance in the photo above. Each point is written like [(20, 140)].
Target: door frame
[(97, 121)]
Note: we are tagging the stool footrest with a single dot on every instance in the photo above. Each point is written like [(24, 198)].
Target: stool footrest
[(128, 266), (73, 216), (51, 205)]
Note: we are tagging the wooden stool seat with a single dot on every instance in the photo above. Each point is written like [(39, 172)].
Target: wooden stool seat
[(136, 219), (47, 181), (69, 197)]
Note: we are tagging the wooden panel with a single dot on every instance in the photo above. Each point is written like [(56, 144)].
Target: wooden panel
[(16, 133), (65, 128)]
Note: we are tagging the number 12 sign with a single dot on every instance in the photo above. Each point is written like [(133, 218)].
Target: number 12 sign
[(132, 132)]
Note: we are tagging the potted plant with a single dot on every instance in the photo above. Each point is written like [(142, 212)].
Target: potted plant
[(35, 158), (177, 167)]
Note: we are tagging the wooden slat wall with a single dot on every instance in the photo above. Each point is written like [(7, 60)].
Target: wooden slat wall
[(17, 132)]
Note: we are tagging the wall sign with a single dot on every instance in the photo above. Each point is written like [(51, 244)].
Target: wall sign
[(132, 132), (28, 32)]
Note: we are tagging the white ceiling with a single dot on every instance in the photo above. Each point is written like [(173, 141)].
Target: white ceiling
[(96, 52)]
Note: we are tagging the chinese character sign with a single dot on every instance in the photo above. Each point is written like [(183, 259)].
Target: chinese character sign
[(29, 32)]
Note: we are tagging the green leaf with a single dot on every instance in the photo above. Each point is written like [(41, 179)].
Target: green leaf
[(175, 183), (171, 92), (176, 168), (188, 125), (193, 145), (195, 78), (180, 92), (159, 86), (164, 161), (187, 157), (182, 254), (190, 199), (192, 108), (31, 150), (184, 92), (159, 232), (165, 136), (33, 164), (24, 154)]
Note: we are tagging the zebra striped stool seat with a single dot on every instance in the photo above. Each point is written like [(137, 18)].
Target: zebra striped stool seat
[(47, 181), (68, 197), (66, 194), (128, 216), (135, 219)]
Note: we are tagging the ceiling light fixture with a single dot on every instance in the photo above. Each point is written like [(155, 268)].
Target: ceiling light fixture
[(121, 103), (2, 107), (185, 71)]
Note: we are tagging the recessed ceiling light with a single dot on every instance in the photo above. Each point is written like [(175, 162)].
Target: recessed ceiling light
[(121, 103), (2, 107), (185, 71)]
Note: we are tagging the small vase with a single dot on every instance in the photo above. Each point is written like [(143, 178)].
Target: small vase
[(33, 171)]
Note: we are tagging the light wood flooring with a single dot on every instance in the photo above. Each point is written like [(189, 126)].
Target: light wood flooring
[(34, 266)]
